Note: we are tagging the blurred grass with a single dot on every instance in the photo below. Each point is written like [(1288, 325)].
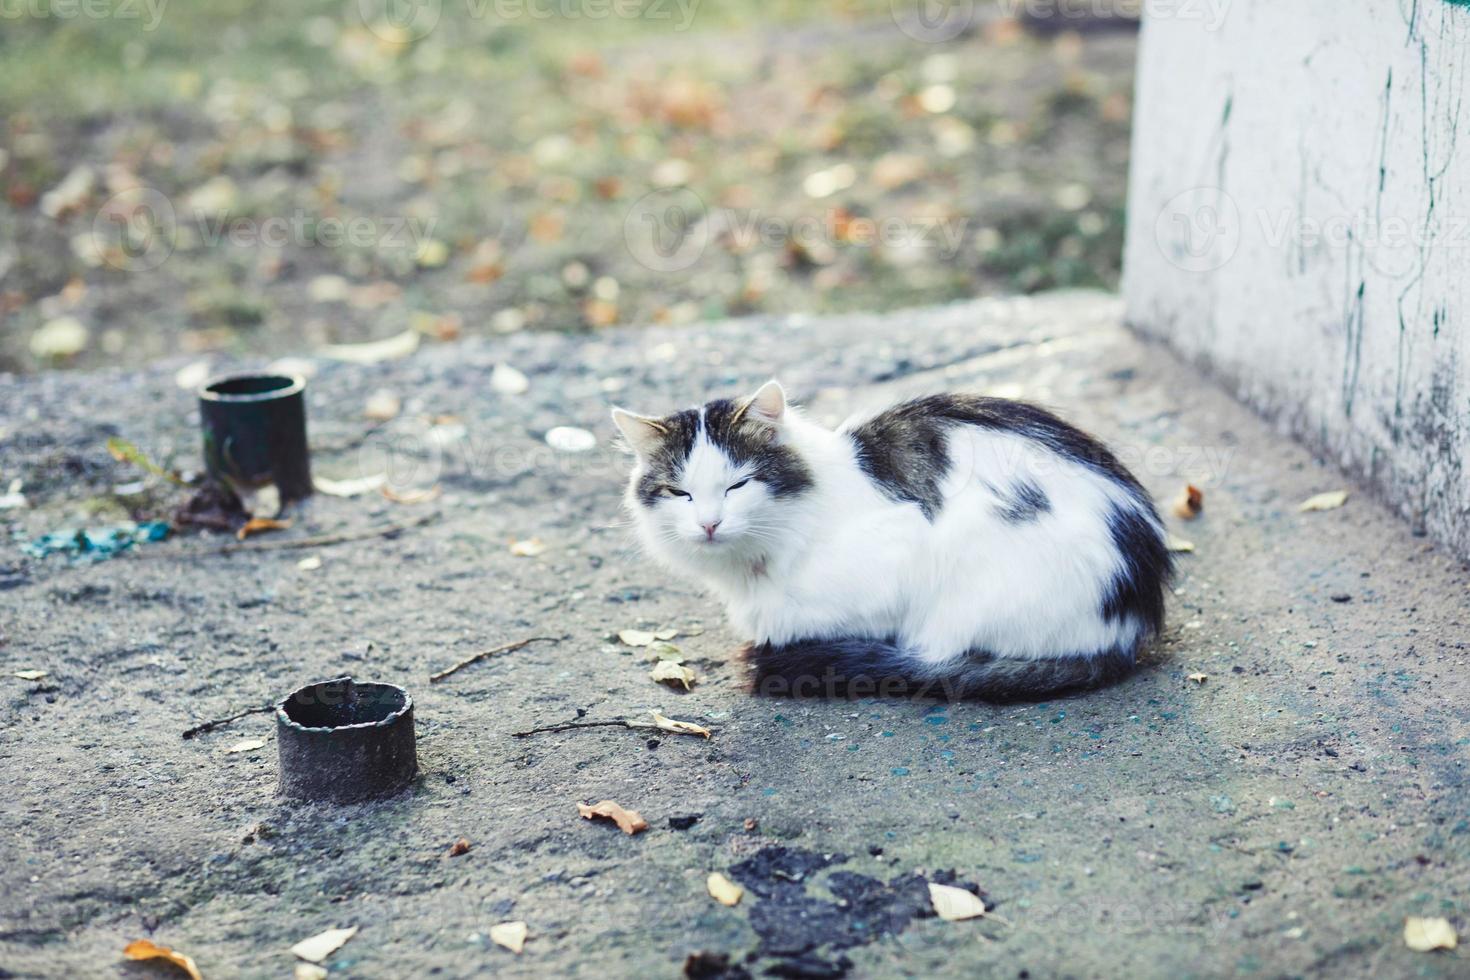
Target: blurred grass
[(519, 145)]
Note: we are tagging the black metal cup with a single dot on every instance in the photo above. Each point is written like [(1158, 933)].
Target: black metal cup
[(344, 742), (255, 433)]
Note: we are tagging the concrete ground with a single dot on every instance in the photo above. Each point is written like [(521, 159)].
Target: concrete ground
[(1279, 819)]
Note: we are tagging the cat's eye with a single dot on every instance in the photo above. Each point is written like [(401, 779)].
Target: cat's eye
[(737, 486), (676, 492)]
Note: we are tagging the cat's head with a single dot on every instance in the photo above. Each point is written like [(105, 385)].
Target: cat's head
[(718, 481)]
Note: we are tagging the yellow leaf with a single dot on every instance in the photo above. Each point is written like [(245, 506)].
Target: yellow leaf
[(1423, 935), (668, 672), (258, 525), (1324, 501), (628, 821), (511, 935), (955, 904), (246, 745), (143, 949), (323, 944), (722, 889)]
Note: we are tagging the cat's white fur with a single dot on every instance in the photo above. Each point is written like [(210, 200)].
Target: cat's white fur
[(844, 559)]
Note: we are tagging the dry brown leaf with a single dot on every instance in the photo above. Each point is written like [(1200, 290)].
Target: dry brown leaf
[(511, 935), (955, 904), (246, 745), (722, 889), (1424, 935), (1190, 503), (323, 944), (1324, 501), (669, 672), (259, 525), (678, 727), (527, 547), (628, 821), (144, 949), (1198, 678), (459, 847)]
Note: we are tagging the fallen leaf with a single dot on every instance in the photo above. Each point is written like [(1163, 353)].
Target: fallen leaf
[(636, 638), (246, 745), (125, 452), (658, 721), (511, 935), (1179, 544), (527, 548), (30, 675), (664, 650), (1190, 503), (955, 904), (1424, 935), (667, 634), (310, 564), (259, 525), (668, 672), (349, 488), (143, 949), (309, 971), (432, 253), (459, 847), (1324, 501), (722, 889), (1198, 678), (628, 821), (374, 351), (323, 944)]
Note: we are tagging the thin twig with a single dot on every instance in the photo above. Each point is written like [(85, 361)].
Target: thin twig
[(506, 648), (568, 726), (210, 726), (323, 540)]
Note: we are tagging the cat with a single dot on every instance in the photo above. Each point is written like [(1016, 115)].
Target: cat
[(954, 545)]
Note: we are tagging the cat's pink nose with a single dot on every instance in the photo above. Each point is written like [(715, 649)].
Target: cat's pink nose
[(709, 530)]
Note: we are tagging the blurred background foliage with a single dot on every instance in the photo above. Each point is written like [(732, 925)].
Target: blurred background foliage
[(493, 165)]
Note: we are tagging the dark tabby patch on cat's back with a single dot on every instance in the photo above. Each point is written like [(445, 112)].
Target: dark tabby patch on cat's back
[(1025, 502)]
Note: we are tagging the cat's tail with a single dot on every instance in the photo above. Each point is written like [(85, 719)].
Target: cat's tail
[(856, 668)]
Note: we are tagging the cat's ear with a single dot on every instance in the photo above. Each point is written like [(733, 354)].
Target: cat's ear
[(767, 405), (644, 434)]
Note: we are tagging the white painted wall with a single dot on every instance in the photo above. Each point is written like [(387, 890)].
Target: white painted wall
[(1299, 224)]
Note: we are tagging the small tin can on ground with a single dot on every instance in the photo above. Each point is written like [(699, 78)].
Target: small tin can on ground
[(343, 742)]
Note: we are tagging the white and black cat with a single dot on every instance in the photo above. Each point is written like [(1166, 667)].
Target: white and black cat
[(968, 546)]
